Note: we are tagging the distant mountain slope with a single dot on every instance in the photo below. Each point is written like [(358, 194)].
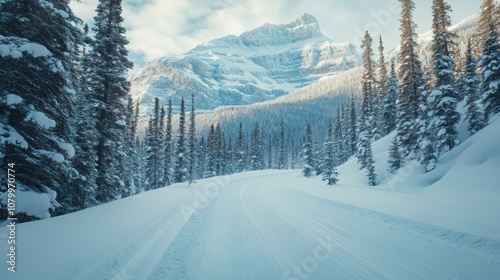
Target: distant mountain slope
[(258, 65), (318, 101)]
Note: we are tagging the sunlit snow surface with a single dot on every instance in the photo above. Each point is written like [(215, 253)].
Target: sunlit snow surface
[(280, 225)]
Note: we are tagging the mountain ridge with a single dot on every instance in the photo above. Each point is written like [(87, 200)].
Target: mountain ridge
[(261, 64)]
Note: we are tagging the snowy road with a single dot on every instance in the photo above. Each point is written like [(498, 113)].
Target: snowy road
[(261, 228), (256, 225)]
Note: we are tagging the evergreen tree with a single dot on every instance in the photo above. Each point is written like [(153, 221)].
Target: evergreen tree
[(490, 68), (365, 126), (192, 144), (487, 17), (444, 98), (181, 160), (471, 82), (240, 151), (218, 151), (256, 149), (168, 146), (138, 153), (282, 154), (352, 127), (130, 164), (269, 153), (161, 147), (390, 109), (330, 173), (111, 87), (153, 165), (83, 186), (201, 158), (410, 84), (307, 153), (394, 156), (383, 92), (338, 141), (211, 154), (426, 141), (37, 105)]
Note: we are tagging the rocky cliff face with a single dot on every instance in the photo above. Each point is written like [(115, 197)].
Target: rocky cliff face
[(258, 65)]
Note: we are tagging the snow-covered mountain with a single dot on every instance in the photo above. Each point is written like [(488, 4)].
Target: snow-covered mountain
[(258, 65), (318, 100)]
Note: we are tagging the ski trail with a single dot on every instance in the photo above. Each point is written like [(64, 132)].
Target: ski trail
[(137, 257)]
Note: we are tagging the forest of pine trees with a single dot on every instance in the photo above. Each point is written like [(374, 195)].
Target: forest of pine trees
[(68, 122)]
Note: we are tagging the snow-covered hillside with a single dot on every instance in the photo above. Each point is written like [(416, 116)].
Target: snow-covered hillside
[(281, 225), (258, 65)]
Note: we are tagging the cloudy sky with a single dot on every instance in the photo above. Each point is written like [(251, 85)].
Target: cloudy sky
[(160, 27)]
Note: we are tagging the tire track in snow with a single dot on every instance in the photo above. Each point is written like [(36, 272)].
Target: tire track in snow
[(137, 256), (366, 253), (479, 246)]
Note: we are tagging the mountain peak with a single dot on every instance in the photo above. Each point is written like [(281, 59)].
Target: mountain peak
[(305, 19), (302, 28)]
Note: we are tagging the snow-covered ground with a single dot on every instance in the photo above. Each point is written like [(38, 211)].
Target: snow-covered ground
[(280, 225)]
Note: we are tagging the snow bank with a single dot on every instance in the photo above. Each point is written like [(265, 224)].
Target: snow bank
[(461, 193)]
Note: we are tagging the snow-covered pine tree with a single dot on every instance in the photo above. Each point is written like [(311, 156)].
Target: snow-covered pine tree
[(487, 17), (427, 154), (471, 83), (282, 154), (111, 87), (201, 157), (138, 147), (241, 162), (370, 168), (444, 97), (490, 68), (161, 148), (383, 86), (181, 160), (338, 140), (256, 149), (352, 126), (218, 151), (37, 89), (307, 152), (365, 124), (229, 159), (83, 186), (130, 163), (330, 173), (168, 146), (342, 136), (192, 144), (394, 156), (410, 83), (211, 154), (153, 165), (269, 164), (390, 110)]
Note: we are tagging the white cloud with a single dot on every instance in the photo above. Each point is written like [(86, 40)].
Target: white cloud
[(157, 27)]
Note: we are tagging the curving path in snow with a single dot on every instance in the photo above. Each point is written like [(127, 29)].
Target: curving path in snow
[(265, 227), (256, 225)]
